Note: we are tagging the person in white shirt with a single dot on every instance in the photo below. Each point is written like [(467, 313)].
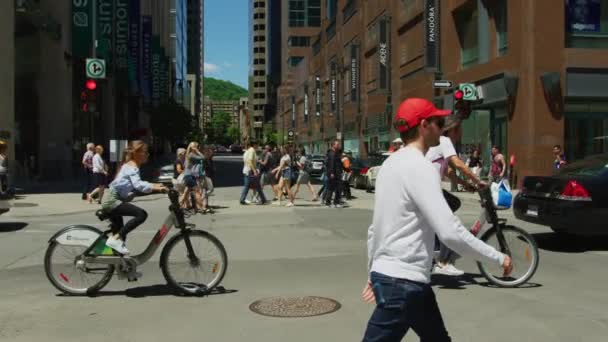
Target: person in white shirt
[(446, 160), (251, 174), (409, 210), (100, 172)]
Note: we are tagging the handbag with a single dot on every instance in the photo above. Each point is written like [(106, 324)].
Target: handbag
[(501, 194), (453, 202)]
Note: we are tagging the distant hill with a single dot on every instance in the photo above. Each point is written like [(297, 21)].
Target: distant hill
[(220, 90)]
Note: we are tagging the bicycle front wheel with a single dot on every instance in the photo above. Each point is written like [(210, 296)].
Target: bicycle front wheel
[(194, 262), (524, 253)]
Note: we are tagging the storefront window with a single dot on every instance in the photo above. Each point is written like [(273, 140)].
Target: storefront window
[(586, 24), (501, 27), (476, 135), (586, 134), (467, 23)]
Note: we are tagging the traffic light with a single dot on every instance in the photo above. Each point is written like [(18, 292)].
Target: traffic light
[(462, 108), (88, 97)]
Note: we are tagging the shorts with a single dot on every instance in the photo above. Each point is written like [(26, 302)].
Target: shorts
[(190, 181), (99, 179), (303, 178), (287, 175)]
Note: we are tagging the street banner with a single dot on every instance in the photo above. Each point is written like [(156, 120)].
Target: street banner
[(306, 103), (121, 35), (146, 61), (156, 55), (134, 45), (354, 73), (384, 54), (318, 96), (82, 28), (333, 88), (293, 111), (105, 31), (432, 31)]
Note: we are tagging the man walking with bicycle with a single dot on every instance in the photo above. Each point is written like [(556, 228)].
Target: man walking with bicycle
[(409, 210)]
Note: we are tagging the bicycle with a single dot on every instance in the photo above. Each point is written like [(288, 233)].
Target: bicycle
[(90, 264), (506, 239)]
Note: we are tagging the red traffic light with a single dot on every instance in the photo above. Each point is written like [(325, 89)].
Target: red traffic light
[(91, 85), (458, 95)]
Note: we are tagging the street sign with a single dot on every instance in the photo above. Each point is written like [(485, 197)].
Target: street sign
[(442, 84), (290, 135), (96, 68), (469, 90), (339, 135)]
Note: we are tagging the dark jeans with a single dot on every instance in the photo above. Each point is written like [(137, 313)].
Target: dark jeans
[(127, 209), (248, 180), (346, 189), (333, 189), (3, 183), (403, 304)]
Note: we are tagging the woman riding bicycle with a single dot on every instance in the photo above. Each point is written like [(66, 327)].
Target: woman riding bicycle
[(117, 204)]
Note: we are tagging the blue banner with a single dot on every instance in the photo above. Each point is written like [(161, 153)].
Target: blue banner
[(134, 45), (583, 16), (146, 65)]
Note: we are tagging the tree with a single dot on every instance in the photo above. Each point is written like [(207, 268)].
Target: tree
[(270, 135), (218, 130), (234, 133), (172, 122)]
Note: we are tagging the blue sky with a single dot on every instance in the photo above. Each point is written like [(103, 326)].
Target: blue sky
[(226, 40)]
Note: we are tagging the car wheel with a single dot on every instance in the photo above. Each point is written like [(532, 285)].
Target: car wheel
[(368, 186)]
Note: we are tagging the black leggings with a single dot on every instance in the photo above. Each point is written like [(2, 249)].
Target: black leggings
[(127, 209)]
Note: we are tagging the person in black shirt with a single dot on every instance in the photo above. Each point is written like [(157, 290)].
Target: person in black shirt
[(334, 174), (474, 163)]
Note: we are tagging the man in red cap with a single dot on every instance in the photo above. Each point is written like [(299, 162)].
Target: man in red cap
[(409, 210)]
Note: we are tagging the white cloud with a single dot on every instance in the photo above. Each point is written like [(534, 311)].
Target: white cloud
[(227, 65), (211, 68)]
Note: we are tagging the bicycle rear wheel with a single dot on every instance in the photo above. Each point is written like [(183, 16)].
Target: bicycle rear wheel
[(198, 273), (524, 253), (66, 270)]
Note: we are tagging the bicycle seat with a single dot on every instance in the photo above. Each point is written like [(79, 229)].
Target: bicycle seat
[(102, 215)]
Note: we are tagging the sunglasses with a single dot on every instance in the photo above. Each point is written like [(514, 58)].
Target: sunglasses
[(438, 120)]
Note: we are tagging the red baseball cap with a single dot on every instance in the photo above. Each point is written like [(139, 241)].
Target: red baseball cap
[(413, 110)]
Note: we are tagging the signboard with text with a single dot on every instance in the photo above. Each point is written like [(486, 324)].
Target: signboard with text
[(432, 31)]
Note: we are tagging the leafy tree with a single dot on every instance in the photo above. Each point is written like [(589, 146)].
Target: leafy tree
[(219, 90), (218, 130), (172, 122), (234, 133)]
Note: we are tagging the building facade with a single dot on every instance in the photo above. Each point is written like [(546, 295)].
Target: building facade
[(537, 68), (196, 56), (212, 107)]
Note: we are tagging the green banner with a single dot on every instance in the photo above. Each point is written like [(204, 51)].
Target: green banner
[(156, 70), (82, 28), (105, 31), (121, 35)]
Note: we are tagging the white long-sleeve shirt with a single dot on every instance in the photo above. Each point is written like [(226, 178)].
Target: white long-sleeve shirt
[(99, 166), (409, 210)]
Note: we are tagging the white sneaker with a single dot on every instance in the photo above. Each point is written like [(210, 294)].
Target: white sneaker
[(448, 270), (247, 201), (117, 245), (290, 204)]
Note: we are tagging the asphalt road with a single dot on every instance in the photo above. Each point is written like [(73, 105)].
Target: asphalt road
[(277, 251)]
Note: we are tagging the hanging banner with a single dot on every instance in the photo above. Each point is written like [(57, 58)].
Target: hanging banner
[(155, 70), (82, 28), (105, 31), (333, 88), (318, 96), (121, 43), (164, 77), (306, 103), (354, 73), (293, 111), (431, 35), (384, 54), (134, 45), (146, 61)]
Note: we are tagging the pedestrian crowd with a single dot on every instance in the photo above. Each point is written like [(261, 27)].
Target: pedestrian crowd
[(287, 168)]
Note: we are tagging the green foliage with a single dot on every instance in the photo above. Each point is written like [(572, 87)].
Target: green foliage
[(172, 122), (234, 134), (218, 130), (219, 90), (270, 135)]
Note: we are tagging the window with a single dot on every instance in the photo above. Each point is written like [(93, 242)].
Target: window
[(259, 50), (258, 73), (298, 41), (294, 60), (466, 24), (259, 27), (259, 16), (297, 13), (259, 39), (314, 13), (258, 61), (332, 9), (259, 96), (349, 10), (586, 24), (259, 4), (500, 18)]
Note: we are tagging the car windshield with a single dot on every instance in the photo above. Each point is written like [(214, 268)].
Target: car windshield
[(592, 166), (377, 160)]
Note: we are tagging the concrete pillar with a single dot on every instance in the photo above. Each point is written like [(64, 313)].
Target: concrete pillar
[(7, 77), (55, 93)]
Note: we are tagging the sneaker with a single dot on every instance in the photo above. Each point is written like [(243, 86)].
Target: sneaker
[(448, 270), (117, 245), (247, 202), (290, 204), (338, 206)]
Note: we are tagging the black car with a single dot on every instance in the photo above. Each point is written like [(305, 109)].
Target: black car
[(575, 201), (359, 177)]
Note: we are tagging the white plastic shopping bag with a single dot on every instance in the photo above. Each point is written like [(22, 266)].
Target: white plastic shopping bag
[(501, 194)]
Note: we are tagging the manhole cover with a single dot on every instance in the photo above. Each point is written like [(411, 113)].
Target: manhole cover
[(294, 306), (24, 205)]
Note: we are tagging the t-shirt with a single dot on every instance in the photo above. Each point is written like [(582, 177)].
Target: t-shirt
[(87, 159), (440, 154), (249, 158), (303, 161), (99, 166), (409, 209)]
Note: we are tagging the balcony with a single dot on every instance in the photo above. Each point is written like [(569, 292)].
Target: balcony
[(349, 10)]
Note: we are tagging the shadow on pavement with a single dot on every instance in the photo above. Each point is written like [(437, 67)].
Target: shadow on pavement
[(155, 291), (6, 227), (570, 243), (461, 283)]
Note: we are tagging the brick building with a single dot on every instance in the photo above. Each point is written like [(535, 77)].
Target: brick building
[(539, 66)]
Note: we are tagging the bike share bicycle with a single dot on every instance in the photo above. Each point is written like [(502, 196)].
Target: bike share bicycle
[(193, 261), (510, 240)]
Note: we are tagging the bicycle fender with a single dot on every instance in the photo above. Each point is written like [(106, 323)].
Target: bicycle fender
[(77, 235)]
